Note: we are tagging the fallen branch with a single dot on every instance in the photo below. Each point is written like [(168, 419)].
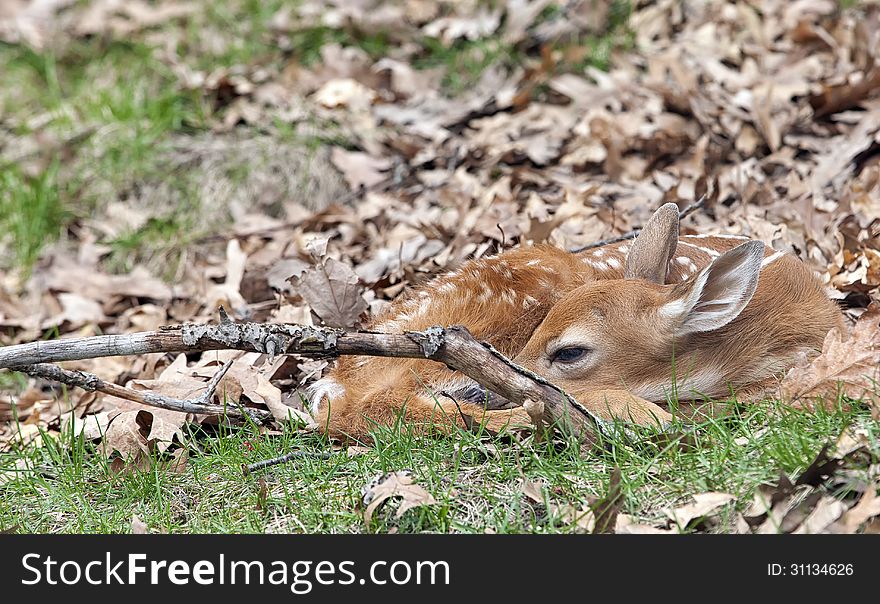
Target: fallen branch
[(274, 461), (201, 404), (453, 346), (634, 233)]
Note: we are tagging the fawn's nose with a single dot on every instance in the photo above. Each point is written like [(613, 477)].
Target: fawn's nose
[(478, 395)]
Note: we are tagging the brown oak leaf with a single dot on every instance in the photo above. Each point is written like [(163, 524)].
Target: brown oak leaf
[(850, 365), (333, 291), (394, 484)]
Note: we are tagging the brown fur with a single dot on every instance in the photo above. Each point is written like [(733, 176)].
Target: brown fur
[(521, 299), (789, 314)]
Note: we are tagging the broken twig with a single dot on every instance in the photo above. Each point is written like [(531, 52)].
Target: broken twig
[(453, 346), (274, 461), (201, 404)]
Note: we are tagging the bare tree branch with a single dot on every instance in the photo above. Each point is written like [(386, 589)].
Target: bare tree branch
[(201, 404), (274, 461), (453, 346)]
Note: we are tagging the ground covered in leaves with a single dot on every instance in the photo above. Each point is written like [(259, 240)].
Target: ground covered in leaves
[(159, 159)]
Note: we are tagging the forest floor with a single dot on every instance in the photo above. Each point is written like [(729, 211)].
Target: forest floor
[(159, 159)]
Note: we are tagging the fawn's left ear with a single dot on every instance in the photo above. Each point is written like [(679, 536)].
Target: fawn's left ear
[(651, 251), (719, 293)]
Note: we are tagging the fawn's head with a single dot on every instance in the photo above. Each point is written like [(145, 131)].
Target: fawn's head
[(621, 333)]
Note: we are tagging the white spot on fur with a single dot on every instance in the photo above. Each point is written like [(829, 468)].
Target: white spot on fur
[(705, 250), (686, 262), (673, 310), (742, 237), (446, 288), (392, 325), (325, 387), (772, 258), (601, 266), (535, 262), (599, 252), (613, 263), (509, 296), (624, 249), (529, 301), (503, 269), (423, 307)]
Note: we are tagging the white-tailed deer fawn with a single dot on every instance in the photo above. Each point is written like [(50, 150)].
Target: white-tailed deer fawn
[(620, 328)]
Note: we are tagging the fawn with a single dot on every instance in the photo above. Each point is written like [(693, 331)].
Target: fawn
[(620, 328)]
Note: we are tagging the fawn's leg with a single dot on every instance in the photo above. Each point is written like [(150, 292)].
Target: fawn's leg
[(444, 413), (354, 420), (719, 406), (623, 405)]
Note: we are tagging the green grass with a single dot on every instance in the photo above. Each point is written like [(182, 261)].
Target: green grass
[(112, 111), (465, 60), (117, 104), (476, 479), (30, 213), (12, 381)]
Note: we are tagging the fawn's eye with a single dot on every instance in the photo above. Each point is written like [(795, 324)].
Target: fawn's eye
[(570, 354)]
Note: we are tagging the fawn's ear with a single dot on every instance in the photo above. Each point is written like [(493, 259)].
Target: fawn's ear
[(651, 251), (719, 293)]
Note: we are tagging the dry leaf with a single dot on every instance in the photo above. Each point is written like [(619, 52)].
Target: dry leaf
[(608, 508), (474, 27), (179, 461), (704, 505), (848, 363), (29, 21), (583, 518), (138, 526), (360, 169), (228, 294), (627, 525), (127, 435), (123, 17), (21, 409), (867, 508), (826, 512), (344, 92), (91, 427), (333, 292), (394, 484)]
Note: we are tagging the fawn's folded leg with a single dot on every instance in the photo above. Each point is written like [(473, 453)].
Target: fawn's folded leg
[(355, 421), (719, 406), (623, 405)]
